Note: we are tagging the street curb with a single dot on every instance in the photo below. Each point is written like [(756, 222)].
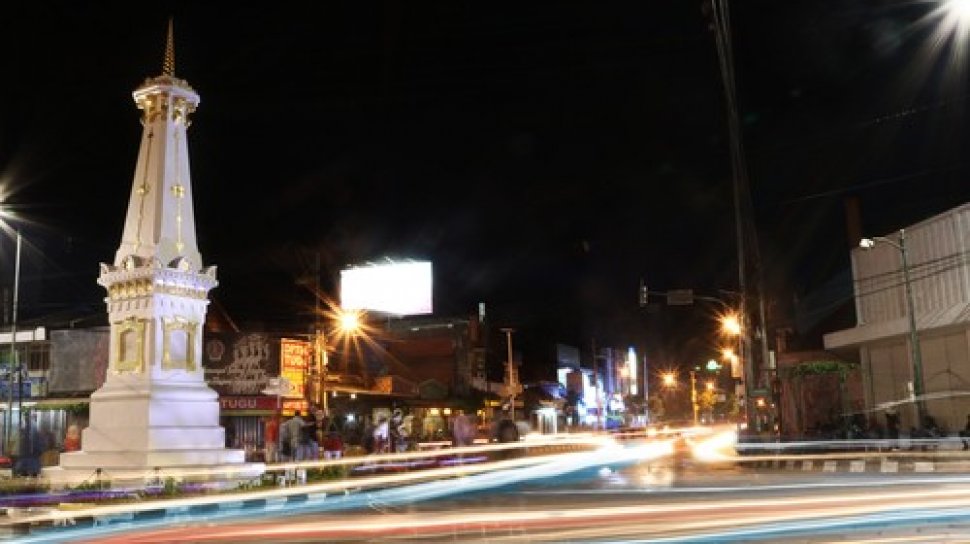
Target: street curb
[(884, 465)]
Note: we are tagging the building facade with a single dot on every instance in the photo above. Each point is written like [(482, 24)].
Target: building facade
[(938, 273)]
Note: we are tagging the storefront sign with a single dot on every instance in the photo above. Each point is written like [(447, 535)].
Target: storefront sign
[(261, 404), (294, 361)]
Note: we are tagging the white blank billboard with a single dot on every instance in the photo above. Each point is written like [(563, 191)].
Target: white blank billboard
[(395, 288)]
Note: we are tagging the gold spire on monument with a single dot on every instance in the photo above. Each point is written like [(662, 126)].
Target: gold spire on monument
[(168, 63), (167, 77)]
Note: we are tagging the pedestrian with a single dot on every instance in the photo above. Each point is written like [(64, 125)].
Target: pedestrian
[(462, 430), (892, 424), (271, 438), (333, 446), (230, 433), (396, 433), (308, 439), (965, 434), (320, 421), (367, 437), (292, 430), (381, 435), (72, 441)]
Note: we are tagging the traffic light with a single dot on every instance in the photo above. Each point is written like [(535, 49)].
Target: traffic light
[(644, 294)]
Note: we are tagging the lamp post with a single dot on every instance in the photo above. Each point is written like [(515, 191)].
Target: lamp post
[(13, 363), (321, 363), (693, 394), (348, 324), (732, 324), (668, 380), (916, 358)]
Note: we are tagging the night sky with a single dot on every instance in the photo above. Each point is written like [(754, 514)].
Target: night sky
[(544, 155)]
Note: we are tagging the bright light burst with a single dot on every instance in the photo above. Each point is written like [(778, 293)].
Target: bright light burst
[(949, 29), (954, 23), (349, 321), (731, 324), (960, 9)]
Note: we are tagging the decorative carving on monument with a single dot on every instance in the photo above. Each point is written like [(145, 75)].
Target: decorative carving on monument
[(179, 342), (129, 346)]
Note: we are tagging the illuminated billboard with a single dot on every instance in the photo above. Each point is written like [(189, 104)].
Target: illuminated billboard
[(399, 288)]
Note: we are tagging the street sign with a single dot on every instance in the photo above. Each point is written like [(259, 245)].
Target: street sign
[(278, 386), (680, 297)]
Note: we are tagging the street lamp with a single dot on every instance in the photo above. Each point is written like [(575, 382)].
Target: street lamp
[(348, 323), (731, 324), (12, 365), (915, 356)]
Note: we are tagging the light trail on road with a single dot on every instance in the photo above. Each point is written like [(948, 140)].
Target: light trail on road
[(611, 492), (392, 489), (709, 520)]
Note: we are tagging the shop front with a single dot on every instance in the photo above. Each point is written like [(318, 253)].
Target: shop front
[(245, 420)]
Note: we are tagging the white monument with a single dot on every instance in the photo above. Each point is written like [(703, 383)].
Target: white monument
[(155, 410)]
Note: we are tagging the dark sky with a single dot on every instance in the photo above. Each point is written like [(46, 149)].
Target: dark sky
[(544, 155)]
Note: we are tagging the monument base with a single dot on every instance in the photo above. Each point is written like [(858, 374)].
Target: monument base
[(143, 431), (138, 469)]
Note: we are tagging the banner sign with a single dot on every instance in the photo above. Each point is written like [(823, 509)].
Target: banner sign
[(240, 364), (79, 360)]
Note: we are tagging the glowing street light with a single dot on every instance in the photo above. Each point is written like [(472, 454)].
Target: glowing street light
[(916, 359), (949, 25), (669, 379), (349, 321), (731, 324), (958, 11)]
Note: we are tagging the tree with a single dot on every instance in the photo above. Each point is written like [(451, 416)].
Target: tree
[(706, 400), (657, 409)]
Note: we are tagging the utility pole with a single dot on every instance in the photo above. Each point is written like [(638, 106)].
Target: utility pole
[(741, 197), (320, 341), (513, 380), (486, 332), (693, 394), (646, 392), (596, 385)]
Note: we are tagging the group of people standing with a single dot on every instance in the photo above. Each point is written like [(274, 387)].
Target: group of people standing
[(301, 438), (306, 437)]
